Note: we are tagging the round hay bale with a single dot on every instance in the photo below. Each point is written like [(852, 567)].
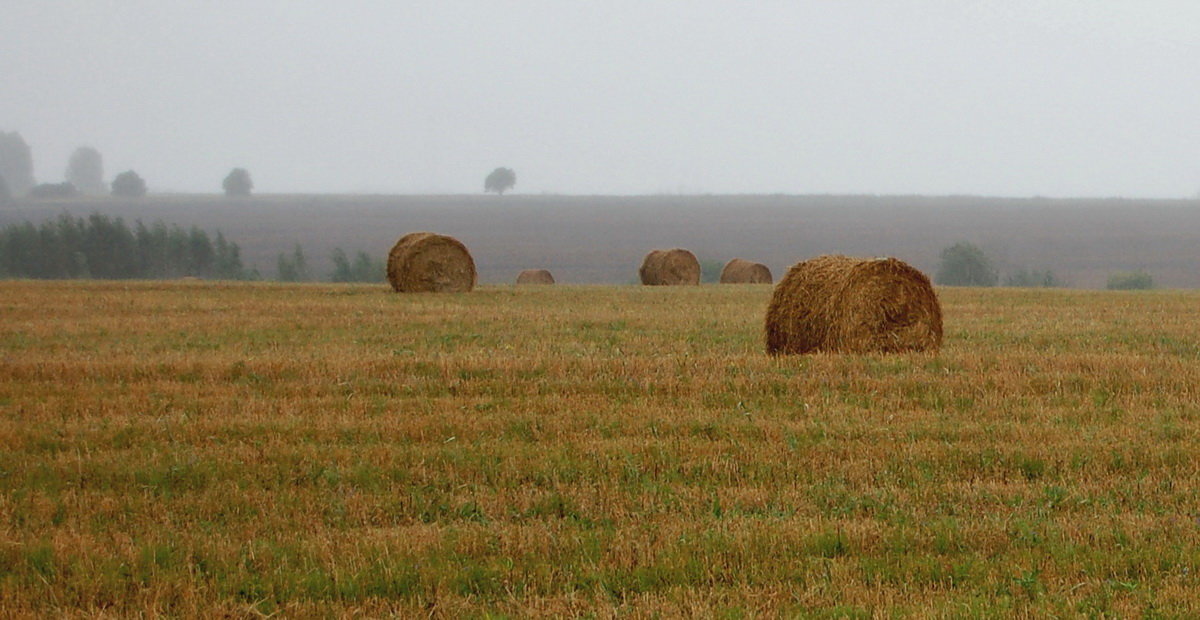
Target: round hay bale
[(428, 262), (740, 271), (535, 276), (853, 305), (670, 267)]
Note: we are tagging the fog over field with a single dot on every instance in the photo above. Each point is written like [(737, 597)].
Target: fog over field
[(771, 130), (212, 403), (602, 240), (987, 97)]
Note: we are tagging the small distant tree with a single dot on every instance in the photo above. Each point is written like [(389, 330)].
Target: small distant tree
[(1130, 280), (5, 195), (85, 171), (16, 163), (964, 264), (237, 183), (500, 181), (129, 184)]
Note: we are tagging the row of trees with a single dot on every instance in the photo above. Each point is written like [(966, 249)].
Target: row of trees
[(84, 174), (965, 264), (107, 248), (293, 267)]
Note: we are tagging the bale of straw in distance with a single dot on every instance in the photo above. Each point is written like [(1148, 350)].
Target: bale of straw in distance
[(535, 276), (670, 267), (429, 262), (853, 305), (741, 271)]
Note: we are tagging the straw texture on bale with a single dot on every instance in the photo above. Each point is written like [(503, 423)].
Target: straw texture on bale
[(853, 305), (425, 262), (670, 267), (741, 271), (535, 276)]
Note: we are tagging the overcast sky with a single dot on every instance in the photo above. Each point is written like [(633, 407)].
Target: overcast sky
[(995, 97)]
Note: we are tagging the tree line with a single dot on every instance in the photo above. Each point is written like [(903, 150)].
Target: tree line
[(85, 174), (965, 264), (364, 267), (107, 248)]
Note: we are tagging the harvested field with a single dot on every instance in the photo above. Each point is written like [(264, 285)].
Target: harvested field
[(205, 449)]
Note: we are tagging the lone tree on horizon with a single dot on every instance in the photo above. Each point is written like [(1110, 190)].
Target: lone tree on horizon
[(500, 181), (129, 184), (237, 183), (85, 170)]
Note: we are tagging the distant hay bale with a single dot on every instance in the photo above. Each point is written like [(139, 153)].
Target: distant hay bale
[(740, 271), (428, 262), (853, 305), (670, 267), (535, 276)]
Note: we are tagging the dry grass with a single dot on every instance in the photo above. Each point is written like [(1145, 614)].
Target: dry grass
[(199, 449)]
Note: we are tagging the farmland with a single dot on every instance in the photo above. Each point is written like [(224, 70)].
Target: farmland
[(602, 239), (199, 448)]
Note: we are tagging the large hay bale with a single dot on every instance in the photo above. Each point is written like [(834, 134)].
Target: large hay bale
[(535, 276), (740, 271), (670, 267), (428, 262), (853, 305)]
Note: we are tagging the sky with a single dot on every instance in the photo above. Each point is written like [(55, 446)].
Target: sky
[(985, 97)]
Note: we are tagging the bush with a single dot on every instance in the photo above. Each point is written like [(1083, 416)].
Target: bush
[(1033, 278), (710, 271), (53, 190), (964, 264), (1130, 280)]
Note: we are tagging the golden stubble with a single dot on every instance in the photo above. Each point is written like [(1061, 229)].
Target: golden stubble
[(201, 448)]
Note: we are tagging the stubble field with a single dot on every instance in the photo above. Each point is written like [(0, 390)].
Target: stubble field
[(201, 448)]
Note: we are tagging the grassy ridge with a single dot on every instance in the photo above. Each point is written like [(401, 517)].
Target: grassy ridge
[(198, 448)]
